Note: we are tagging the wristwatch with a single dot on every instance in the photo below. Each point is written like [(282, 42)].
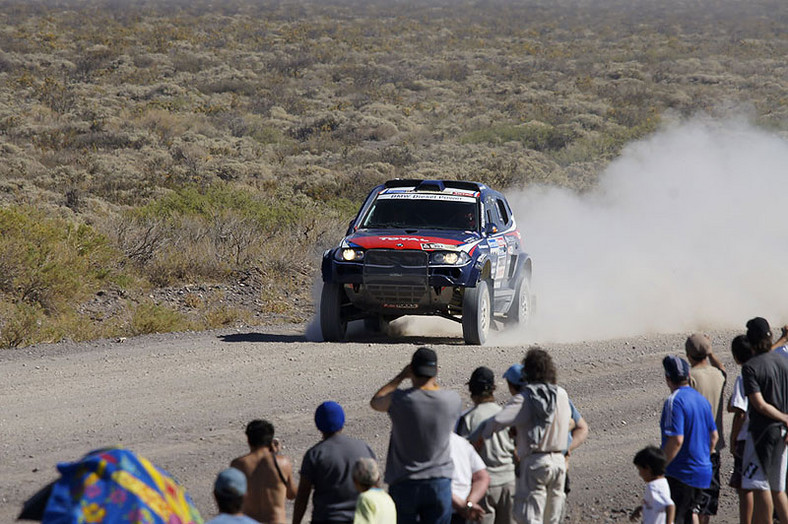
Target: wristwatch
[(468, 505)]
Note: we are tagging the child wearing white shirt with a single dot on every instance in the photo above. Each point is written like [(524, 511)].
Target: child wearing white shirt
[(658, 507)]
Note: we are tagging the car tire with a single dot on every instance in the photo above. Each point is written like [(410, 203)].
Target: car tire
[(520, 311), (476, 313), (333, 325)]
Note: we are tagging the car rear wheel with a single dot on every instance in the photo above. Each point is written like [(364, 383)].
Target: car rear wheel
[(332, 322), (476, 313), (520, 310)]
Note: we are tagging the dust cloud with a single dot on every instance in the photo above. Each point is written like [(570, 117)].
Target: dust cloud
[(686, 231)]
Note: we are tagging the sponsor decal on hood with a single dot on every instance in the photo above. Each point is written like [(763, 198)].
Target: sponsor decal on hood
[(416, 241)]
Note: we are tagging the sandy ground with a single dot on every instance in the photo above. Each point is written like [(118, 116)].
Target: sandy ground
[(183, 400)]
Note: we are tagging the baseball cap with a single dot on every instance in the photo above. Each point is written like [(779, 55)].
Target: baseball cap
[(424, 362), (482, 376), (676, 368), (698, 346), (758, 329), (329, 417), (231, 482), (482, 381), (514, 374)]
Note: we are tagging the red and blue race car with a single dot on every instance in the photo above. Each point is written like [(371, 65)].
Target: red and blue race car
[(428, 247)]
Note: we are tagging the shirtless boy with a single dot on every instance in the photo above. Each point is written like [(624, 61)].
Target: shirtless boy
[(270, 476)]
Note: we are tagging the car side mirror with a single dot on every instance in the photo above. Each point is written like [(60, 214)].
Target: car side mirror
[(350, 227), (490, 229)]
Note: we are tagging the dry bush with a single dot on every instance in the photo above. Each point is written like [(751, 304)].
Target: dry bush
[(154, 318)]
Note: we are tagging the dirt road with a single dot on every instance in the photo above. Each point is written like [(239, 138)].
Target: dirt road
[(183, 400)]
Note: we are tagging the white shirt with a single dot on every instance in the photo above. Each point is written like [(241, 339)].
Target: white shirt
[(655, 501), (466, 462), (739, 401)]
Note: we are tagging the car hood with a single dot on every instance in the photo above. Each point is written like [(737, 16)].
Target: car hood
[(423, 239)]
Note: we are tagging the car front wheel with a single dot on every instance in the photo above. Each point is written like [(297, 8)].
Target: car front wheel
[(332, 322), (476, 313)]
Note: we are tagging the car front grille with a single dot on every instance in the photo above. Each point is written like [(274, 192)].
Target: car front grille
[(396, 277)]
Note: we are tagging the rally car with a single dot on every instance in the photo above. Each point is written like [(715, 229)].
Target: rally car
[(428, 247)]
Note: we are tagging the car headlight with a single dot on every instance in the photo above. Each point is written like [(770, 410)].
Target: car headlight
[(449, 258), (350, 254)]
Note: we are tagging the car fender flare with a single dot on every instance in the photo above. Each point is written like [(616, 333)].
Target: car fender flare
[(524, 268), (327, 266)]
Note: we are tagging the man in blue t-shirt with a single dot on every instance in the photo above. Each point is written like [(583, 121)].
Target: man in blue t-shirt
[(689, 434)]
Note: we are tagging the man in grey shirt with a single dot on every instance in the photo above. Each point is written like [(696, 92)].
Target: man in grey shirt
[(419, 465), (497, 452)]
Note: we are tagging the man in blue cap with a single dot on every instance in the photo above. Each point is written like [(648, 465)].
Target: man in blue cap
[(689, 434), (229, 491), (327, 468)]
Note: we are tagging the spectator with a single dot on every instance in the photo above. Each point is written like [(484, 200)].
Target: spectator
[(514, 378), (688, 436), (229, 490), (327, 468), (542, 416), (765, 380), (469, 481), (374, 506), (657, 508), (268, 474), (742, 352), (419, 466), (707, 377), (497, 452), (578, 427)]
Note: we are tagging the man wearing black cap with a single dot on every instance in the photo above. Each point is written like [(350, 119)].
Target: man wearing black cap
[(497, 452), (419, 465), (688, 438), (765, 381)]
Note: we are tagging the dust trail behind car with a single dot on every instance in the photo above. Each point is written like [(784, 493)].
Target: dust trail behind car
[(687, 230)]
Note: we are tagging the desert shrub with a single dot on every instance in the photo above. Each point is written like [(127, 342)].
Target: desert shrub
[(534, 135), (224, 316), (19, 324), (203, 232), (51, 263), (155, 318), (59, 97)]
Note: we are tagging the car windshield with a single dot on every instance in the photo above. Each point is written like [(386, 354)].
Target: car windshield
[(416, 213)]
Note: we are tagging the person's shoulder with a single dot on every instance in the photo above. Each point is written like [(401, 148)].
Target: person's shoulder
[(315, 448), (245, 463), (283, 460), (485, 409), (443, 393)]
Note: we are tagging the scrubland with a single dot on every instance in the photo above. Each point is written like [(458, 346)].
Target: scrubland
[(180, 165)]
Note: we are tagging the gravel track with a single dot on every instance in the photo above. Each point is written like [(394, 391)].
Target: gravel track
[(183, 400)]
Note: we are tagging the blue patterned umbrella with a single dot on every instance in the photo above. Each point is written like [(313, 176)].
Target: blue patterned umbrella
[(115, 485)]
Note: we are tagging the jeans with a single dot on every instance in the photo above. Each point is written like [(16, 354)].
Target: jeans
[(427, 501)]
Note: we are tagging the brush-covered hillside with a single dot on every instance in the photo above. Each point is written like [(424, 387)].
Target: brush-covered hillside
[(172, 165)]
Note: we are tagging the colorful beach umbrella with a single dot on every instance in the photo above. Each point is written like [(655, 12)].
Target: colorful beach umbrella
[(116, 485)]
